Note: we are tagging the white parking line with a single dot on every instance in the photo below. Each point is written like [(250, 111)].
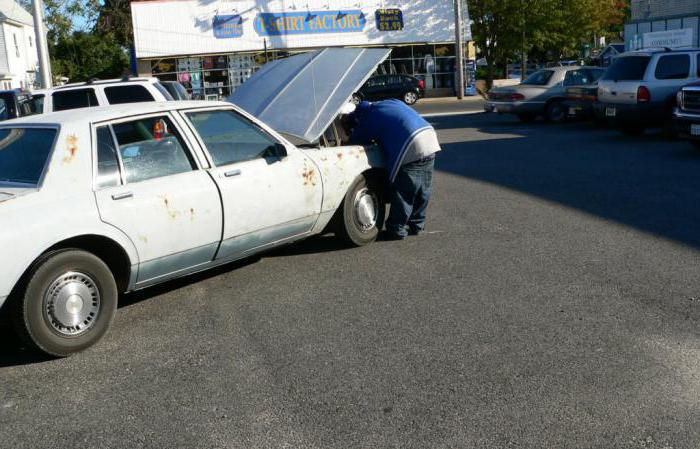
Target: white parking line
[(448, 114)]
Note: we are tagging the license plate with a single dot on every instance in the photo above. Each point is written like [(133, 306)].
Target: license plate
[(695, 130), (610, 112)]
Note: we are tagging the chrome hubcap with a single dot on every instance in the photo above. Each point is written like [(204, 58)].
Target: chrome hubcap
[(410, 97), (366, 210), (72, 303)]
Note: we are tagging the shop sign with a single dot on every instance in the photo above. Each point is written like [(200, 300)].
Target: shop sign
[(670, 39), (389, 19), (311, 22), (228, 26)]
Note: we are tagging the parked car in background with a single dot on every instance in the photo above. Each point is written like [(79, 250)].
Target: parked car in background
[(101, 93), (687, 113), (16, 103), (176, 90), (639, 89), (581, 98), (541, 94), (382, 87)]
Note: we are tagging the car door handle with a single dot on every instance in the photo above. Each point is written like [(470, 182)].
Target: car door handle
[(122, 196), (232, 173)]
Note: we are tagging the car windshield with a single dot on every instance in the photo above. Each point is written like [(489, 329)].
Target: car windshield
[(540, 78), (628, 68), (23, 154)]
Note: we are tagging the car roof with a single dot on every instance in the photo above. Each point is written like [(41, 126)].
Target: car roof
[(98, 82), (103, 113), (654, 51)]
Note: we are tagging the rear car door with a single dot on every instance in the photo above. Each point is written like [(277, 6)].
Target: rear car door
[(149, 186), (270, 192)]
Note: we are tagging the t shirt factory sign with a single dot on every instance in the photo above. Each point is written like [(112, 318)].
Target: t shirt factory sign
[(311, 22)]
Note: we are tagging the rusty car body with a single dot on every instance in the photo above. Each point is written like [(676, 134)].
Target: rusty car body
[(100, 201)]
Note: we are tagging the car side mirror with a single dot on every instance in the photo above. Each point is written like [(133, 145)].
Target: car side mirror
[(280, 151)]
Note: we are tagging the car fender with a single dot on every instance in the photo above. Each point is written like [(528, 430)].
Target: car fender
[(340, 167), (34, 225)]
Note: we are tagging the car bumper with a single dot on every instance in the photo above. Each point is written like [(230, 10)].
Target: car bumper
[(514, 107), (579, 109), (645, 114), (687, 125)]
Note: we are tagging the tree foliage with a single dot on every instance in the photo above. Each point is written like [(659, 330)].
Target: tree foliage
[(544, 29), (87, 38)]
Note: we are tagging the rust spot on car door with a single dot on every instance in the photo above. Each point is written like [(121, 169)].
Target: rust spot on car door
[(71, 149)]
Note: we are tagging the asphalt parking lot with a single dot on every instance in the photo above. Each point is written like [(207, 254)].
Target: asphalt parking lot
[(555, 303)]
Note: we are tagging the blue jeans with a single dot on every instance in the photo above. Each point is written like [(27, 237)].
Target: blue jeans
[(409, 197)]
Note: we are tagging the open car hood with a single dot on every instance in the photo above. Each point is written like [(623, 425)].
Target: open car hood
[(302, 95)]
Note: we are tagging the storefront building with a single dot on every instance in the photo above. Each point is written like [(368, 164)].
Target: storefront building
[(212, 47), (663, 23)]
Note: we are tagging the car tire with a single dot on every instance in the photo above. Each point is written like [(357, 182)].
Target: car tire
[(68, 303), (361, 216), (410, 97), (527, 118), (555, 112)]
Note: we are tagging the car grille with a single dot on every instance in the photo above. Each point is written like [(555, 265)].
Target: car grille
[(691, 100)]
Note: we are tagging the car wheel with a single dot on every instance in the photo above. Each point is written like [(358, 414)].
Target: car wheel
[(356, 99), (410, 97), (527, 118), (362, 212), (555, 112), (68, 304)]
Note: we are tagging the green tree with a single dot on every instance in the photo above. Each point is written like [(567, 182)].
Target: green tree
[(543, 29), (84, 55), (115, 18)]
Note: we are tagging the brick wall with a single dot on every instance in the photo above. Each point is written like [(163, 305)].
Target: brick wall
[(654, 9)]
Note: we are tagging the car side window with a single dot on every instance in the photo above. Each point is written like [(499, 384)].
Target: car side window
[(38, 103), (231, 138), (576, 78), (74, 99), (151, 148), (133, 93), (673, 67), (377, 81), (107, 160)]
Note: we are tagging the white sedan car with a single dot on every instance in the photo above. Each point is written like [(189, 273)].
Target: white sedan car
[(114, 199)]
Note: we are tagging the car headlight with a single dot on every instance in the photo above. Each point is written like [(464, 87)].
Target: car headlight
[(679, 99)]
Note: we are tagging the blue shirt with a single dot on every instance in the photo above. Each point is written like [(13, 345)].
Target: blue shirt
[(392, 124)]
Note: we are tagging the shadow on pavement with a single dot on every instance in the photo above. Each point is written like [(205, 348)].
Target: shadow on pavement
[(646, 182)]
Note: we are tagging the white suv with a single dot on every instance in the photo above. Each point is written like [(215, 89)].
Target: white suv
[(639, 89), (100, 93)]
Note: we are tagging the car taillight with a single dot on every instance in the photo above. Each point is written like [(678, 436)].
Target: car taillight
[(643, 95), (421, 84), (517, 97)]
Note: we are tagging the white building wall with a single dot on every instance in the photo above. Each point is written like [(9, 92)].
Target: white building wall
[(185, 27), (20, 56)]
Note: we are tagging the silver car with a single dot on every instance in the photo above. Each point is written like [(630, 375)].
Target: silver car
[(639, 89), (542, 94)]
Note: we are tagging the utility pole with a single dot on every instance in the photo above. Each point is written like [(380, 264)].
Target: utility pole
[(459, 49), (41, 44)]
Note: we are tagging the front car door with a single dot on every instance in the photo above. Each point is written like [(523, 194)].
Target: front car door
[(271, 192), (149, 186)]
